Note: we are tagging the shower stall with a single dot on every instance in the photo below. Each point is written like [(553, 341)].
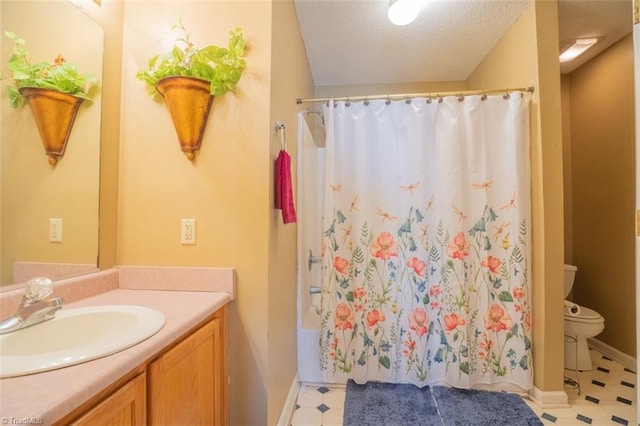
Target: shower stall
[(309, 198), (432, 285)]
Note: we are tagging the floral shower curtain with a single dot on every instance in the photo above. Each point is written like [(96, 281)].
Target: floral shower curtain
[(426, 243)]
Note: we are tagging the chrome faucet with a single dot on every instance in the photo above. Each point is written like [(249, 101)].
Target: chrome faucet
[(33, 309)]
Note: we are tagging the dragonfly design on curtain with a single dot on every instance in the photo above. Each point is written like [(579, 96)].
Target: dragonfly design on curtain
[(426, 244)]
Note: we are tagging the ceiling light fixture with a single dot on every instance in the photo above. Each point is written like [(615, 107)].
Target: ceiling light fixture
[(403, 12), (577, 49)]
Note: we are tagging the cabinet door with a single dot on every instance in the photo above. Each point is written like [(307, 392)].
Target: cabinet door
[(125, 407), (185, 383)]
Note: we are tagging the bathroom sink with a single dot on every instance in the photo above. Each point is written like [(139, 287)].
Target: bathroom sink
[(75, 336)]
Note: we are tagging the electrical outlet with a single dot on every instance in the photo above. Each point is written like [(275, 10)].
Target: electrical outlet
[(188, 231), (55, 230)]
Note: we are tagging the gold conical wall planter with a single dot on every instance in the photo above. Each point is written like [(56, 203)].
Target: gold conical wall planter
[(54, 113), (189, 101)]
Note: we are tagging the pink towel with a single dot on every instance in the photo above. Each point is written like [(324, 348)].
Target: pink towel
[(278, 173), (284, 188)]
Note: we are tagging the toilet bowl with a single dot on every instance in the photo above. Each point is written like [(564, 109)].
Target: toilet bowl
[(580, 324), (577, 330)]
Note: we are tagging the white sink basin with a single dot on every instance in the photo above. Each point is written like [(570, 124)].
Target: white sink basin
[(75, 336)]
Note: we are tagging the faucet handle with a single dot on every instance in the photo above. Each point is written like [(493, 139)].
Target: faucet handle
[(40, 311), (37, 289)]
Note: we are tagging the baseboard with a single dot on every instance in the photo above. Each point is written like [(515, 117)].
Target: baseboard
[(627, 361), (290, 403), (332, 385), (553, 399)]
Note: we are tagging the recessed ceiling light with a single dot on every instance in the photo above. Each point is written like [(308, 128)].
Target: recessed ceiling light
[(577, 49), (403, 12)]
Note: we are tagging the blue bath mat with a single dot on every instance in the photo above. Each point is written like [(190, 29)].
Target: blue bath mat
[(389, 404), (403, 404)]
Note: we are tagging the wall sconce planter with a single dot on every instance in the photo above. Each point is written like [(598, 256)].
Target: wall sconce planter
[(54, 113), (188, 100), (188, 77), (53, 91)]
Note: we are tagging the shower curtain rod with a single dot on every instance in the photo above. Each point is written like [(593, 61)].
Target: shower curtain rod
[(529, 89)]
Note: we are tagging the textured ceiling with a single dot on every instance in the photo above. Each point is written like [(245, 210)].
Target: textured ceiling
[(352, 41)]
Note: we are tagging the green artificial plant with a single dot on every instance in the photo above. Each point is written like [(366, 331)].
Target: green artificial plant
[(59, 75), (222, 67)]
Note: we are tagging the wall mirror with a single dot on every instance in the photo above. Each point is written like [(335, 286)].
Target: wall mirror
[(31, 190)]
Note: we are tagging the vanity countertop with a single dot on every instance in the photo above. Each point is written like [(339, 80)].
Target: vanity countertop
[(46, 397)]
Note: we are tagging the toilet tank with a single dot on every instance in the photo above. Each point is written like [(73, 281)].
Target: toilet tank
[(569, 276)]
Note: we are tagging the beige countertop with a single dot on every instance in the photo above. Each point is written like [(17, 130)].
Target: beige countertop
[(46, 397)]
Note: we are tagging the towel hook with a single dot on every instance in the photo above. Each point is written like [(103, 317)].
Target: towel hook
[(280, 129)]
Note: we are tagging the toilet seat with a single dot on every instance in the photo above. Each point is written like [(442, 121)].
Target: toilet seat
[(586, 316)]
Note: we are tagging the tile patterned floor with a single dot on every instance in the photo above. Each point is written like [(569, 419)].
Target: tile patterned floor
[(607, 396)]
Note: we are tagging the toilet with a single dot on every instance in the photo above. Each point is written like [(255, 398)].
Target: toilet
[(580, 323)]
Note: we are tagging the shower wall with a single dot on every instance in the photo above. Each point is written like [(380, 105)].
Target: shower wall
[(310, 177)]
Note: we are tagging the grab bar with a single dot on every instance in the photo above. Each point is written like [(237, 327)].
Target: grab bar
[(314, 259), (314, 289)]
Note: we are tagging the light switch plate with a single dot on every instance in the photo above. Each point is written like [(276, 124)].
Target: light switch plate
[(55, 230)]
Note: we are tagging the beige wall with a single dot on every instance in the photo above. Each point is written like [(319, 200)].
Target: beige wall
[(290, 79), (228, 189), (528, 56), (566, 166), (603, 190), (32, 190)]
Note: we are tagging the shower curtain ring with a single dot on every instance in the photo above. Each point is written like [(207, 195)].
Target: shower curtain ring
[(366, 101), (388, 101), (348, 102)]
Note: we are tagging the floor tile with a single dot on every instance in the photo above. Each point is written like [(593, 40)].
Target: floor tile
[(624, 411), (309, 397), (562, 415), (593, 411), (333, 417), (306, 416), (335, 398)]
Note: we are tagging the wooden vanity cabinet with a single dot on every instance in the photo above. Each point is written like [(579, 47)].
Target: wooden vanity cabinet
[(185, 385), (124, 407)]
